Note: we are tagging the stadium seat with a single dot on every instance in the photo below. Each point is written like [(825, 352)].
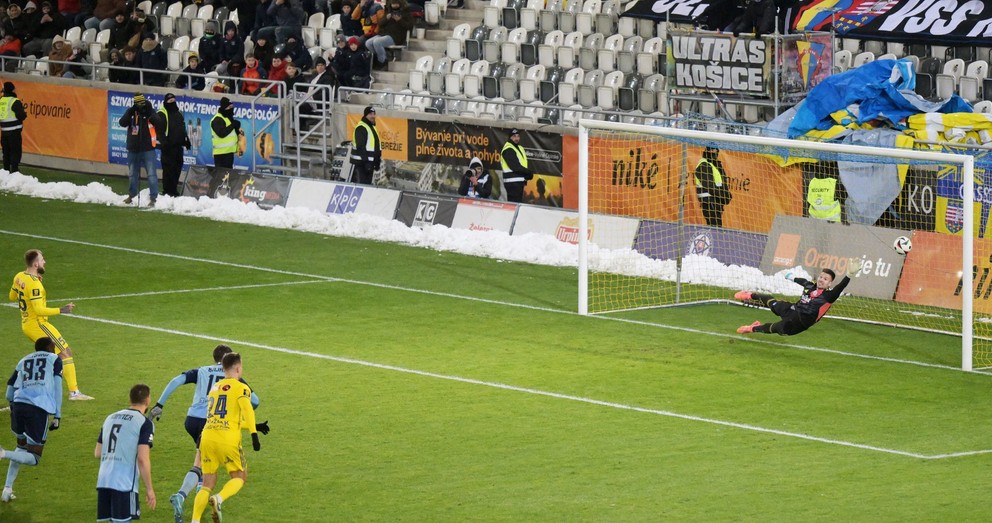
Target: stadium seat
[(842, 60), (931, 66), (333, 22), (567, 14), (588, 87), (455, 47), (89, 35), (750, 114), (606, 57), (73, 34), (196, 27), (896, 48), (646, 61), (453, 78), (572, 115), (954, 67), (435, 78), (588, 53), (986, 88), (969, 88), (174, 59), (532, 113), (945, 86), (316, 20), (166, 25), (851, 44), (924, 85), (984, 107), (862, 58), (103, 37), (326, 39), (627, 26), (491, 14), (418, 75), (182, 26), (189, 12), (876, 47), (921, 50), (962, 52), (886, 56), (626, 56), (206, 12), (606, 23), (221, 14), (977, 69), (470, 109), (528, 85), (529, 14), (472, 85), (309, 36), (606, 94), (145, 6)]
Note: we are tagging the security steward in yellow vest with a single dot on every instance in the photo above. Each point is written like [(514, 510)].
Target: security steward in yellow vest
[(170, 128), (711, 187), (513, 161), (366, 148), (224, 130), (822, 199), (12, 116)]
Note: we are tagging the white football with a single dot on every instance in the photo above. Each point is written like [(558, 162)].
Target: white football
[(902, 245)]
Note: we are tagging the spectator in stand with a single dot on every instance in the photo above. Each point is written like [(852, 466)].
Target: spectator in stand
[(104, 13), (392, 30), (116, 59), (140, 24), (131, 62), (50, 23), (210, 44), (193, 65), (288, 17), (232, 51), (153, 57), (17, 25), (120, 33), (359, 65), (320, 75), (60, 53), (294, 76), (264, 51), (10, 47), (370, 15), (341, 61), (253, 71), (80, 62), (69, 9), (246, 14), (298, 54), (277, 72), (262, 18), (349, 25)]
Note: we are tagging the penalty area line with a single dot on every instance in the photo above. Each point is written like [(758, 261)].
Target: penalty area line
[(538, 392)]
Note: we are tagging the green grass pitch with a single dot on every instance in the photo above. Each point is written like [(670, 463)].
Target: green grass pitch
[(405, 384)]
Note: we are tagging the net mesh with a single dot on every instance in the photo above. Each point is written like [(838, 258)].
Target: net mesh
[(710, 216)]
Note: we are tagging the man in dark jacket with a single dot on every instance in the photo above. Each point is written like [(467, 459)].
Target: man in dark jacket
[(121, 32), (289, 18), (153, 57), (140, 147), (246, 15), (298, 54), (232, 50), (48, 23), (224, 131), (476, 182), (366, 148), (170, 127), (12, 116), (210, 45)]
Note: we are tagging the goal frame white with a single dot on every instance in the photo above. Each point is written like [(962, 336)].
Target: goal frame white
[(966, 161)]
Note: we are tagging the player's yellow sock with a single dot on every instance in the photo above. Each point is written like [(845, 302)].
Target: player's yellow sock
[(69, 373), (231, 488), (200, 503)]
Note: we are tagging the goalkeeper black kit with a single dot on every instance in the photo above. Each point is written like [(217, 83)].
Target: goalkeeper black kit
[(801, 315)]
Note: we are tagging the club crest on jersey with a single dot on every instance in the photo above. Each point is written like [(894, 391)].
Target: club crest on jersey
[(225, 388)]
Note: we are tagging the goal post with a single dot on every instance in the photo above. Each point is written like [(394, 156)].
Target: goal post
[(776, 208)]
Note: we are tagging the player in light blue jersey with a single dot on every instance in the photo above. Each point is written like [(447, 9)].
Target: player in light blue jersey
[(35, 393), (196, 417), (124, 448)]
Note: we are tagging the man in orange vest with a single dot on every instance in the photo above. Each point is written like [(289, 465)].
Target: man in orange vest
[(141, 142)]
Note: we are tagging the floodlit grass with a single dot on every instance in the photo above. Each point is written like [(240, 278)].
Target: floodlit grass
[(404, 384)]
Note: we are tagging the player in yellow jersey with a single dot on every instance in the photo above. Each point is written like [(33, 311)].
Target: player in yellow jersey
[(30, 296), (228, 411)]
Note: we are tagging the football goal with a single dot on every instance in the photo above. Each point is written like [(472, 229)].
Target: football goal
[(707, 214)]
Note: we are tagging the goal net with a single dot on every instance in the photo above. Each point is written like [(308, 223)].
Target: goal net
[(708, 214)]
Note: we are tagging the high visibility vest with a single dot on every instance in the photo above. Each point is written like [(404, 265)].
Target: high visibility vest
[(371, 141), (227, 144), (717, 177), (8, 120), (521, 157), (166, 115), (822, 201)]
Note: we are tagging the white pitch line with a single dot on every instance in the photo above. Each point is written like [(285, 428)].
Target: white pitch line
[(537, 392), (757, 340)]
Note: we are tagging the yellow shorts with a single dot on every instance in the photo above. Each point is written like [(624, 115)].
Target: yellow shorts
[(39, 329), (214, 454)]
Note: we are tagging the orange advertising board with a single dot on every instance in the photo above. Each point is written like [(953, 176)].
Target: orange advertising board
[(643, 178), (932, 272), (64, 120), (392, 132)]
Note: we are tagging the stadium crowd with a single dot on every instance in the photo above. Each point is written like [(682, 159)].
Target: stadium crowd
[(246, 41)]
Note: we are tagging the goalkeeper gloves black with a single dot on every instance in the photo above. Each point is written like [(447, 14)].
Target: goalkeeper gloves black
[(255, 444), (156, 412), (55, 424), (262, 427)]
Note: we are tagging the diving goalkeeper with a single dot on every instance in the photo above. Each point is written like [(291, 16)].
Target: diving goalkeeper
[(812, 305)]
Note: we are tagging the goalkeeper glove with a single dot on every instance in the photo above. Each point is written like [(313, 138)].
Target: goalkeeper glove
[(255, 444), (262, 427), (55, 424), (854, 267), (156, 412)]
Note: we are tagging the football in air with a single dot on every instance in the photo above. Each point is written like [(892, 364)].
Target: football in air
[(902, 245)]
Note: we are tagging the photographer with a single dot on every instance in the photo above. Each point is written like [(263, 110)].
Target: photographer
[(476, 182)]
